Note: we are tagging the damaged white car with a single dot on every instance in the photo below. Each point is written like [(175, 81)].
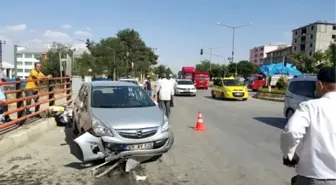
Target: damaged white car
[(117, 120)]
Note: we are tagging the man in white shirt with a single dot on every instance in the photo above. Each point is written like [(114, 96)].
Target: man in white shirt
[(308, 141), (164, 90)]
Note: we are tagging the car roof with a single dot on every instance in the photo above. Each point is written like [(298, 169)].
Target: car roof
[(111, 83), (124, 79), (305, 78)]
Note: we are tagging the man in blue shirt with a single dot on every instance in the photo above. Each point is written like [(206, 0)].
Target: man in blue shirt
[(3, 108), (148, 87)]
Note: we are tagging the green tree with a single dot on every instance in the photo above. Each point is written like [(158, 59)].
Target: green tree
[(52, 64), (304, 62), (246, 68), (330, 54), (126, 54)]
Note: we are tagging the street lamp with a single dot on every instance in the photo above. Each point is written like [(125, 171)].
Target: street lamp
[(233, 37)]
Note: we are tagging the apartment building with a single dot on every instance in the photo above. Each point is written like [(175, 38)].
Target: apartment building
[(313, 37), (258, 54), (278, 56), (25, 62)]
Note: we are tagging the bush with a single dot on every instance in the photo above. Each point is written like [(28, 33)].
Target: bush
[(273, 91), (281, 83)]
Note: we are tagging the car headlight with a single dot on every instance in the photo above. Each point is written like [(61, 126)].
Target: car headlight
[(100, 129), (165, 125)]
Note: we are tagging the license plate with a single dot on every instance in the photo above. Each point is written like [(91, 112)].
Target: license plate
[(143, 146)]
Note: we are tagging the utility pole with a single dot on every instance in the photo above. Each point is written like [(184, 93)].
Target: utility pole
[(1, 43), (210, 57), (233, 39)]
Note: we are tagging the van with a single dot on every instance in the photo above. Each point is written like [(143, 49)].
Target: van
[(299, 89)]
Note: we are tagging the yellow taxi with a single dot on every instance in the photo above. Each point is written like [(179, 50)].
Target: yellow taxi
[(229, 88)]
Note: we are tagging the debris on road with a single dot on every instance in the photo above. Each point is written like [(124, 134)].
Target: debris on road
[(131, 164), (105, 172), (140, 178), (63, 115)]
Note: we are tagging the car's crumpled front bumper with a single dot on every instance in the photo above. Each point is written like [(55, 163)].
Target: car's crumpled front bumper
[(95, 148)]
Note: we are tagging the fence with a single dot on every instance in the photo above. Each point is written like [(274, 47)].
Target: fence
[(53, 88)]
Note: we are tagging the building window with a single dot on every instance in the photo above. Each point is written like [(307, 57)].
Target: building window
[(19, 55), (311, 45), (255, 55), (28, 56), (255, 61), (295, 40), (294, 48), (19, 70), (312, 27), (28, 63), (261, 54), (19, 63), (334, 27), (310, 53), (27, 70), (311, 36), (295, 32), (333, 36)]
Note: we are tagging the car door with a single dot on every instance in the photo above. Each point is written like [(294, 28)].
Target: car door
[(77, 103), (84, 112)]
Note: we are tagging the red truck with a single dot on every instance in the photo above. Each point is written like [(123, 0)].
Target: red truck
[(187, 72), (201, 80)]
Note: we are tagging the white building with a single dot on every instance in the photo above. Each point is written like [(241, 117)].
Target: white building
[(25, 62), (313, 37), (8, 69)]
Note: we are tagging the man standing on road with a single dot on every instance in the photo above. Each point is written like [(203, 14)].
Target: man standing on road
[(172, 81), (313, 128), (31, 87), (148, 86), (164, 91)]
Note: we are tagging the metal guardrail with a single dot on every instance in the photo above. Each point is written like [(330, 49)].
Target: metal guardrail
[(47, 87)]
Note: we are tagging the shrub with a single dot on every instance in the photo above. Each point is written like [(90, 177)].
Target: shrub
[(281, 83), (273, 91)]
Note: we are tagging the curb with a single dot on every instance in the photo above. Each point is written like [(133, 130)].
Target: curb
[(268, 99), (27, 134)]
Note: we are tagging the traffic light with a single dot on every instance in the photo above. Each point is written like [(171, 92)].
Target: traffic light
[(88, 44), (201, 51)]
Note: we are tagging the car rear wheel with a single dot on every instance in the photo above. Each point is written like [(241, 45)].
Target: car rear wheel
[(289, 113), (222, 96), (212, 94), (75, 128)]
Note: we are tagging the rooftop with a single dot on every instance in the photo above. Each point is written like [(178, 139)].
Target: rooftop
[(315, 23), (280, 49)]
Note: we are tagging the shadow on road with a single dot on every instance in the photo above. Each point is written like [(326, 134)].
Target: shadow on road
[(218, 99), (272, 121)]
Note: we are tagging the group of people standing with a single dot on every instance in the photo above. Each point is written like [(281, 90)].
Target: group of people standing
[(164, 92)]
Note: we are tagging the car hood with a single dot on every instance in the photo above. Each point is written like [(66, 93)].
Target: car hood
[(236, 88), (185, 86), (129, 118)]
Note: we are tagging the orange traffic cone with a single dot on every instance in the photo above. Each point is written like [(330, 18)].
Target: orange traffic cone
[(199, 124)]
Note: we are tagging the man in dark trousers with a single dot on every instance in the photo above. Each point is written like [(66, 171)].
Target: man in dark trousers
[(308, 141), (165, 91)]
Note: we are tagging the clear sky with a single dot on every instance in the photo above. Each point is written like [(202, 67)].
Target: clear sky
[(178, 28)]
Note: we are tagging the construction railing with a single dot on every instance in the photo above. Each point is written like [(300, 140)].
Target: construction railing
[(49, 90)]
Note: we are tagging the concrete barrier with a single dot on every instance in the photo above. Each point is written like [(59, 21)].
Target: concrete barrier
[(269, 96), (25, 134)]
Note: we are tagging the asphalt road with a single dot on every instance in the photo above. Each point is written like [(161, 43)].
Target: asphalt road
[(239, 147)]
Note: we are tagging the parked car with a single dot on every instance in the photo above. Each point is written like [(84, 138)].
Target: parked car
[(299, 89), (118, 119), (229, 88), (131, 80), (184, 87)]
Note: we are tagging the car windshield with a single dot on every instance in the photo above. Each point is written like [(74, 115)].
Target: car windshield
[(233, 82), (130, 81), (185, 82), (120, 97)]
